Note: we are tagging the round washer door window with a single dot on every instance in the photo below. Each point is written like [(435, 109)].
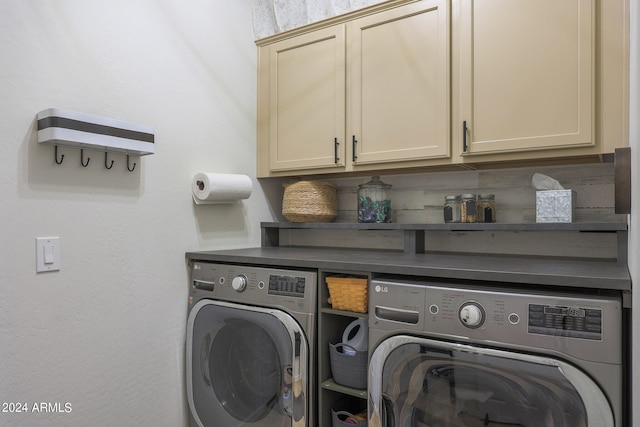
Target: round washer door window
[(239, 361), (245, 368)]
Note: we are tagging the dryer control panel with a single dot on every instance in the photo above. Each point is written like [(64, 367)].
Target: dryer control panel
[(273, 287)]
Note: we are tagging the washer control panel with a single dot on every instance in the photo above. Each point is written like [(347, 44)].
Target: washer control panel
[(295, 289), (567, 321), (287, 285), (583, 325)]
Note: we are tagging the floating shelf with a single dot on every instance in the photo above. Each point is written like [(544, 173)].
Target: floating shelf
[(80, 130), (414, 234), (540, 226), (85, 131)]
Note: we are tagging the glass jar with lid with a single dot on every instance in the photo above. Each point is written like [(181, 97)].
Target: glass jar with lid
[(374, 204), (451, 209), (468, 208), (486, 207)]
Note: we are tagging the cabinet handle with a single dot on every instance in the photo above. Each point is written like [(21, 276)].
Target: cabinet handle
[(335, 150), (354, 141), (464, 136)]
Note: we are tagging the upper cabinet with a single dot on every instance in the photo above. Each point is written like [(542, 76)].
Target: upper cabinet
[(408, 84), (399, 84), (527, 74), (539, 79), (368, 93), (306, 81)]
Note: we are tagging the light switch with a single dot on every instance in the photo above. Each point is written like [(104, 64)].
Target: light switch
[(47, 254)]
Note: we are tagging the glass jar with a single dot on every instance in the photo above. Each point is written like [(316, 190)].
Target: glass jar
[(486, 208), (451, 209), (468, 208), (374, 204)]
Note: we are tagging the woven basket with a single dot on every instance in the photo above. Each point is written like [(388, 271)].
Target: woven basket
[(310, 201), (348, 293)]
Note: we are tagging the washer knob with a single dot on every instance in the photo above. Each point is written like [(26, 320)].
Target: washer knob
[(239, 283), (471, 315)]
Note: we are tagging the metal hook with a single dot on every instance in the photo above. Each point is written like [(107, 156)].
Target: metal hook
[(84, 165), (55, 157), (134, 165), (105, 161)]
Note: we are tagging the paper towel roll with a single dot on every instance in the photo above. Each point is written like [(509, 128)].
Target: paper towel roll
[(209, 188)]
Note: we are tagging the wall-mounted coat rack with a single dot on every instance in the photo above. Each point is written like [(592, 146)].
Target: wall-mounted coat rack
[(85, 131)]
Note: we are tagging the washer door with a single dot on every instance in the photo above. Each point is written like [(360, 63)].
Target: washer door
[(421, 382), (245, 366)]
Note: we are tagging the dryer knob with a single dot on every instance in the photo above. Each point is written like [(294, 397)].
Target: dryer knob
[(471, 315), (239, 283)]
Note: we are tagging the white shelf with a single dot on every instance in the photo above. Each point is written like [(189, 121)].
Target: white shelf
[(57, 126)]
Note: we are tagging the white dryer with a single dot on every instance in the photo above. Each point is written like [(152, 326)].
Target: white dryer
[(250, 346)]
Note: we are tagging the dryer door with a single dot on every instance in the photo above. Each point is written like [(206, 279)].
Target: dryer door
[(245, 366), (421, 382)]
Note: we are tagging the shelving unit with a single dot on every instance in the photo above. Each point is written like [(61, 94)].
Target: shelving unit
[(331, 323)]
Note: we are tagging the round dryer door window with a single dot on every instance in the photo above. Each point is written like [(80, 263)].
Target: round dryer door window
[(240, 365), (433, 383)]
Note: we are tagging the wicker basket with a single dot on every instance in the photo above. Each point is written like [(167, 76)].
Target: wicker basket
[(348, 293), (310, 201)]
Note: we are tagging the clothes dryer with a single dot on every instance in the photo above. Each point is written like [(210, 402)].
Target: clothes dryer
[(448, 354), (250, 349)]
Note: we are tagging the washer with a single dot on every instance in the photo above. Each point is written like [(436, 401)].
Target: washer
[(250, 350), (446, 354)]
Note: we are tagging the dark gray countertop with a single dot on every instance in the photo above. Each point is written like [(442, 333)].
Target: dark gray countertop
[(584, 273)]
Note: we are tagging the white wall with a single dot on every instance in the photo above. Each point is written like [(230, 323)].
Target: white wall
[(106, 333)]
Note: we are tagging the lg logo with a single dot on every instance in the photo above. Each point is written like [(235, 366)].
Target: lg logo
[(382, 289)]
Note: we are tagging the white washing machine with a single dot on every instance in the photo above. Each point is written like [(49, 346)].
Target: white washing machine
[(250, 349), (453, 355)]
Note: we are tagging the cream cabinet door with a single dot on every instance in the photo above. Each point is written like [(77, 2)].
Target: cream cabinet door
[(400, 85), (526, 77), (307, 101)]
